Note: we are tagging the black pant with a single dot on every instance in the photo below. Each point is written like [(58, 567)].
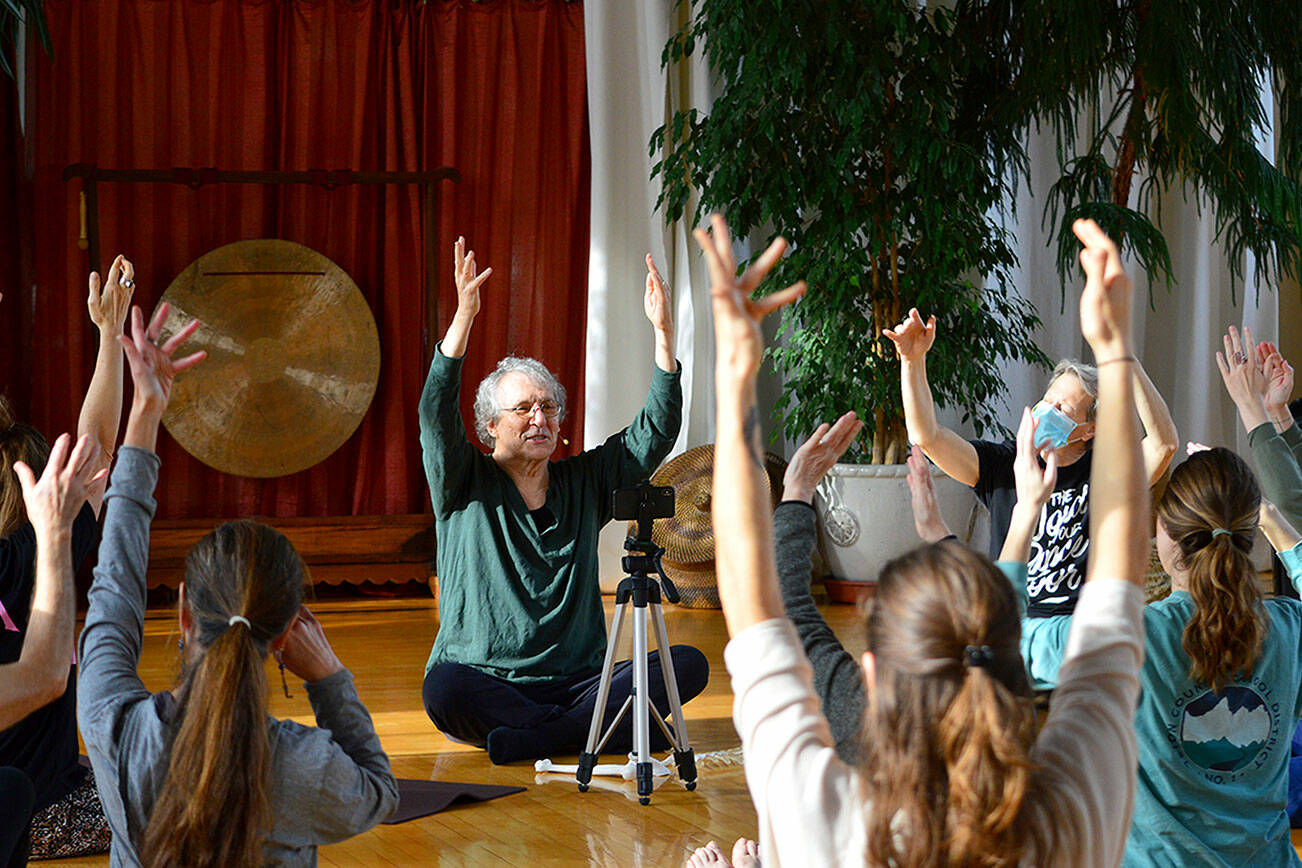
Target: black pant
[(531, 721), (16, 800)]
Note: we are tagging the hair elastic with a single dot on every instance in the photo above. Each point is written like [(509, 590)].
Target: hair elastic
[(978, 655), (1217, 531), (240, 619)]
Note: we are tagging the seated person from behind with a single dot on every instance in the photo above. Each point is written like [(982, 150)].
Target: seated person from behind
[(1060, 548), (522, 637), (201, 774)]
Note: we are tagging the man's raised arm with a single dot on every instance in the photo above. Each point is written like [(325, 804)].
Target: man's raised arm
[(660, 310), (951, 453), (445, 450), (468, 283)]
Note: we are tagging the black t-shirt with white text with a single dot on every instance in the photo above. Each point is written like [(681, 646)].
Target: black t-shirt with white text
[(1060, 546), (44, 743)]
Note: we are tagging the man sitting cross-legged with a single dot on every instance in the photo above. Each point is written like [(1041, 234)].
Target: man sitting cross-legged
[(517, 660)]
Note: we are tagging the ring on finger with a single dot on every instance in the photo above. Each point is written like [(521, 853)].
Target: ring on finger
[(128, 283), (1239, 358)]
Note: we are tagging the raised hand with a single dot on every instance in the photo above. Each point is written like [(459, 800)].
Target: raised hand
[(817, 455), (656, 302), (737, 316), (913, 338), (468, 282), (54, 500), (1105, 303), (109, 307), (152, 367), (306, 651), (1034, 486), (1244, 381), (1034, 483), (927, 519), (659, 308), (739, 507), (1279, 377)]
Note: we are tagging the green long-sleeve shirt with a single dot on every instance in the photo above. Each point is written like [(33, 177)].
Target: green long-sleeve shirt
[(516, 600), (1277, 457)]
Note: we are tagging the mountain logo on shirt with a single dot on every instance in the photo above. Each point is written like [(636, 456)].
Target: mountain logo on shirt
[(1222, 731)]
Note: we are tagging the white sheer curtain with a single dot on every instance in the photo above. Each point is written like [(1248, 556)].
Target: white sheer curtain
[(629, 97), (1177, 335)]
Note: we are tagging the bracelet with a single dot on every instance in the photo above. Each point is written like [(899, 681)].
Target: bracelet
[(1117, 359)]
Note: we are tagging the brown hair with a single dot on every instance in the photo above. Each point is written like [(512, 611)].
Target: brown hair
[(1215, 489), (18, 442), (950, 720), (214, 808)]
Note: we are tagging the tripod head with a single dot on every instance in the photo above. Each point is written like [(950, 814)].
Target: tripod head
[(644, 503)]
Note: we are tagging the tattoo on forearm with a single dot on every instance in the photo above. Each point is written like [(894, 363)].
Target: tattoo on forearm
[(751, 431)]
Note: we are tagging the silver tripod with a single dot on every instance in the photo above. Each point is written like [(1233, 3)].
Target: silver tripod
[(639, 587)]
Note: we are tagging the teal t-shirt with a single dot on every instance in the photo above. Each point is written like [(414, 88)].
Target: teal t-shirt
[(1213, 766), (519, 596)]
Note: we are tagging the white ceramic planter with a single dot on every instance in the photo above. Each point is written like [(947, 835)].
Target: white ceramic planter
[(865, 517)]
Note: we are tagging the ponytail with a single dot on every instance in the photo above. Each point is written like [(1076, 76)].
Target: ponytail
[(1209, 510), (214, 807), (243, 588), (985, 736), (950, 722)]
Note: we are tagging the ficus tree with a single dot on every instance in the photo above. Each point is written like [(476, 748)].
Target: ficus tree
[(1170, 95), (885, 140)]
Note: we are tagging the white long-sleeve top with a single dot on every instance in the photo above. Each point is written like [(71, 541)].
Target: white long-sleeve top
[(811, 805)]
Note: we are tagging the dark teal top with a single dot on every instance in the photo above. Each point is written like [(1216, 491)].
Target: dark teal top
[(516, 600)]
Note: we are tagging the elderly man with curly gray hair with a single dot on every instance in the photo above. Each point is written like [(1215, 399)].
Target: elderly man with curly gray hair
[(522, 636)]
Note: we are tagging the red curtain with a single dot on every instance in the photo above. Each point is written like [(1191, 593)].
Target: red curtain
[(15, 348), (496, 90)]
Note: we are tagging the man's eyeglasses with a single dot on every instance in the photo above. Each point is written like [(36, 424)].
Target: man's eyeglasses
[(550, 409)]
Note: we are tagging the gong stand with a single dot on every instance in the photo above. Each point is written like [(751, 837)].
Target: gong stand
[(92, 176)]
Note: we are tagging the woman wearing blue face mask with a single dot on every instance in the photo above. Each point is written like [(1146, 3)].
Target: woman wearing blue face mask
[(1065, 417)]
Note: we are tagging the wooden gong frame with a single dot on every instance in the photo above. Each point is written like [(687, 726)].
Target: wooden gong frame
[(350, 549), (92, 176)]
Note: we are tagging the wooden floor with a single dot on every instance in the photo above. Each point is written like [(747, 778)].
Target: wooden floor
[(385, 644)]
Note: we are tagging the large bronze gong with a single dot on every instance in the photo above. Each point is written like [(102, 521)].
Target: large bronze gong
[(293, 358)]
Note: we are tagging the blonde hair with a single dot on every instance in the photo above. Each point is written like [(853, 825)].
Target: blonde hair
[(1087, 375)]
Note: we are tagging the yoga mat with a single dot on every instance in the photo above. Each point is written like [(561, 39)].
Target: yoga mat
[(418, 799)]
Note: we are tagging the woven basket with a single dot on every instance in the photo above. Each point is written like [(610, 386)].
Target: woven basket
[(1157, 584), (688, 537)]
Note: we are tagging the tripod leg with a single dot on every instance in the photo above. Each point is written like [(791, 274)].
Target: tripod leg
[(684, 756), (588, 758), (641, 707)]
